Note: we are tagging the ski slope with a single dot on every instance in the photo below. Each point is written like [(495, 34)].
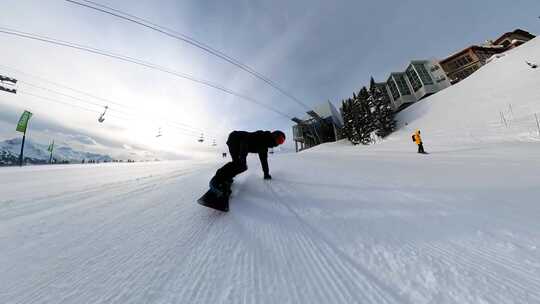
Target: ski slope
[(393, 228), (337, 224)]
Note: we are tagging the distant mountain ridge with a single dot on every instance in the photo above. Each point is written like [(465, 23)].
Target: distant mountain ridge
[(35, 153)]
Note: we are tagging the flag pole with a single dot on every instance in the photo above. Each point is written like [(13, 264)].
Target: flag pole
[(21, 156), (51, 149)]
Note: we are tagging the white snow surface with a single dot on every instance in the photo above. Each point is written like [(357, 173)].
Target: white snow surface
[(336, 224)]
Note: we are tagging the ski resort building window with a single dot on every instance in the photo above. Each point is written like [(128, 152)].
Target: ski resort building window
[(413, 78), (297, 132), (463, 61), (402, 84), (393, 88), (424, 75), (460, 62)]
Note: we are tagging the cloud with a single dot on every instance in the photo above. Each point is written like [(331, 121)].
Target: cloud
[(83, 139), (317, 50)]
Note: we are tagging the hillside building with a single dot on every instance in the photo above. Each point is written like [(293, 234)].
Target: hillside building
[(323, 124), (467, 61), (421, 79)]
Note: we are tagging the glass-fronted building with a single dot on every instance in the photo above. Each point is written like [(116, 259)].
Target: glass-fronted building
[(421, 79), (401, 91)]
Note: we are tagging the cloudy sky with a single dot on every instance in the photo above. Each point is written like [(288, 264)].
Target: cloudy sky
[(315, 50)]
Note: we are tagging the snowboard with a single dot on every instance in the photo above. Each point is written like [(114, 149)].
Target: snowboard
[(211, 200)]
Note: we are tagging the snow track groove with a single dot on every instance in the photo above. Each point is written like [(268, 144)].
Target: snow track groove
[(455, 265), (336, 264), (136, 235)]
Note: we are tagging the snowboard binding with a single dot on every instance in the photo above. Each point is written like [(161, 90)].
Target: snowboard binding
[(221, 189), (218, 196)]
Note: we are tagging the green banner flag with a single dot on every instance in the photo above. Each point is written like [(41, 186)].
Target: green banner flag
[(51, 147), (23, 121)]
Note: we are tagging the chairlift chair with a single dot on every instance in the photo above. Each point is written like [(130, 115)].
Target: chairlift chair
[(101, 118)]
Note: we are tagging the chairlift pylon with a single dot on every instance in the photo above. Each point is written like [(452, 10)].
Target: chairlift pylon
[(101, 118)]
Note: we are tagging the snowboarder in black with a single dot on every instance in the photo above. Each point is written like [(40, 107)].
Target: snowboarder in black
[(241, 143)]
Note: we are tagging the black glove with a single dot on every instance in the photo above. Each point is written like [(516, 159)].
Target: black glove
[(267, 176)]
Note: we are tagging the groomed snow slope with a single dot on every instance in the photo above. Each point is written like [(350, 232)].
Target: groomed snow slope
[(333, 226), (337, 224)]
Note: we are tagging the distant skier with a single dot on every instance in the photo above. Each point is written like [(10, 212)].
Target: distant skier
[(418, 140), (224, 155), (241, 143), (532, 65)]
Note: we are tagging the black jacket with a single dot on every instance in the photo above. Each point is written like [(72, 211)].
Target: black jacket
[(241, 143)]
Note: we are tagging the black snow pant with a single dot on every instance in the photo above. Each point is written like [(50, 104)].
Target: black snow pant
[(421, 148), (236, 166)]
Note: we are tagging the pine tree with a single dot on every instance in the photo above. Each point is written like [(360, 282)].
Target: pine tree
[(366, 112), (384, 122), (365, 118), (347, 120)]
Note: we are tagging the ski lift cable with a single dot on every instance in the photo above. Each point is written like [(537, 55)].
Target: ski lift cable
[(187, 39), (48, 99), (22, 92), (140, 63), (107, 101), (75, 98), (93, 111), (59, 93), (184, 126), (45, 98)]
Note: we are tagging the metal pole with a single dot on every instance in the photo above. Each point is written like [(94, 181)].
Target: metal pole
[(316, 134), (537, 124), (504, 119), (21, 156)]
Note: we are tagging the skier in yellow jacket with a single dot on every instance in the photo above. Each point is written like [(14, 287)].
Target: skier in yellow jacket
[(418, 140)]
